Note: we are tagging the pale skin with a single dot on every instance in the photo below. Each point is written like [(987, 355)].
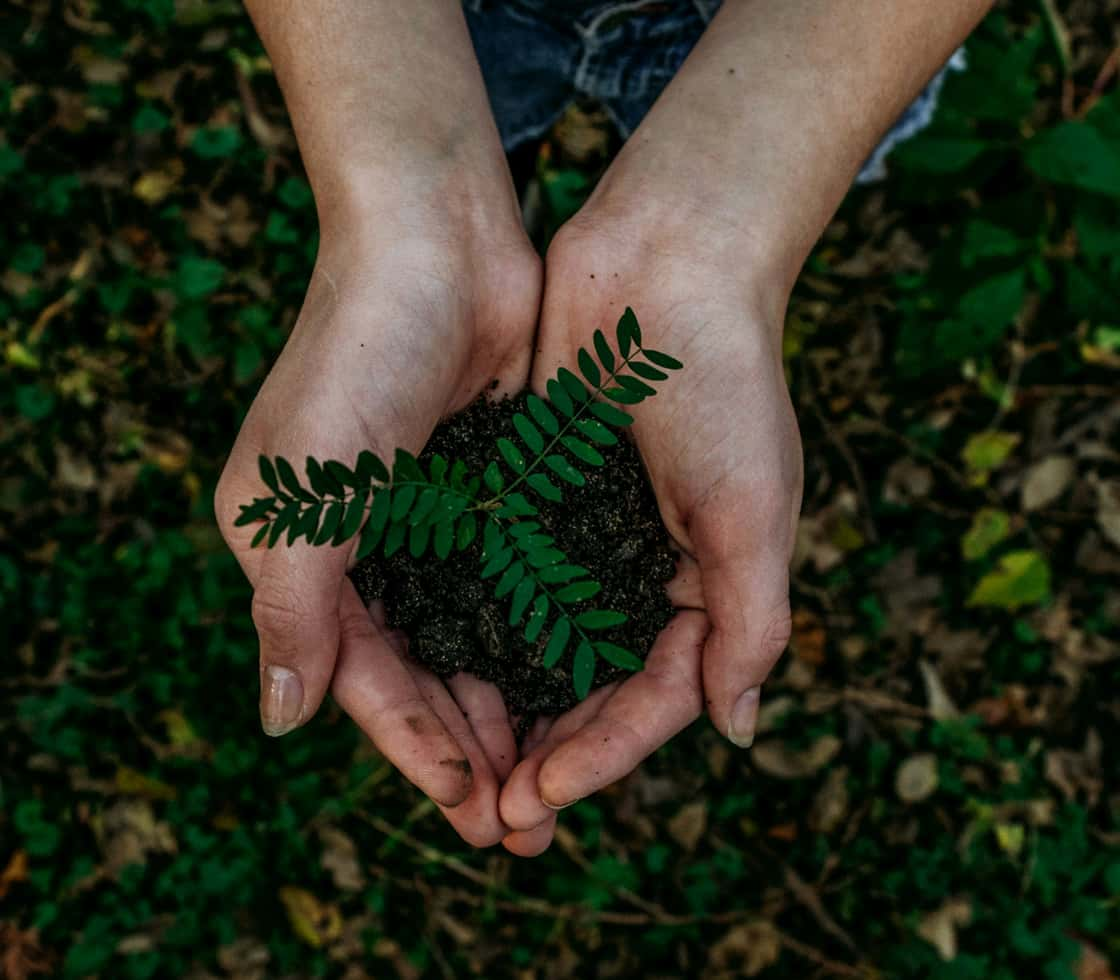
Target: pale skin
[(701, 224)]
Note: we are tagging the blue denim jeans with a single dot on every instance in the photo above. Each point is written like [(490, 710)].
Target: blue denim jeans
[(538, 55)]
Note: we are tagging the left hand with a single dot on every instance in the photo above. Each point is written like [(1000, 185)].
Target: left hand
[(721, 446)]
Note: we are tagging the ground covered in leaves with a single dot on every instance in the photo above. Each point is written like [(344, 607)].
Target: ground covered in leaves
[(932, 793)]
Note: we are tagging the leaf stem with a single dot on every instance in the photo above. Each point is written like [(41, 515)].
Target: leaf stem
[(563, 430)]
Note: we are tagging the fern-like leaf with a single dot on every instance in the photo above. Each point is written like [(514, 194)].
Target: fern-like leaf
[(401, 505)]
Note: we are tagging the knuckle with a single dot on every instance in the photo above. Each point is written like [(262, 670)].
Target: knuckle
[(355, 623), (482, 836), (276, 612), (225, 503), (776, 636)]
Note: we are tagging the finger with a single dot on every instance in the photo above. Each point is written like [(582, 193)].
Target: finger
[(295, 610), (476, 818), (296, 593), (484, 709), (375, 688), (684, 589), (530, 843), (537, 733), (745, 575), (644, 712), (520, 804)]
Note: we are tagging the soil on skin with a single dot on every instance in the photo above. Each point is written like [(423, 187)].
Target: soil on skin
[(610, 526)]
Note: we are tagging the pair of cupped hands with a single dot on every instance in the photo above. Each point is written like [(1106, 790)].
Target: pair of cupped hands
[(409, 316)]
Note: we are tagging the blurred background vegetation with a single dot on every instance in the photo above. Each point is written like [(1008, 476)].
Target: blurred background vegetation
[(932, 793)]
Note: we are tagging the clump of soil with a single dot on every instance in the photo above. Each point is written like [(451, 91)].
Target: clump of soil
[(610, 526)]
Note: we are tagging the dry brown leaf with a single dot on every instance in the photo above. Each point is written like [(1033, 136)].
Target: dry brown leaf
[(689, 824), (939, 928), (777, 759), (941, 706), (745, 951), (390, 949), (808, 640), (128, 832), (340, 858), (245, 958), (1046, 481), (1092, 965), (916, 778), (21, 954), (1075, 773), (907, 481), (830, 805), (719, 756), (771, 711), (74, 472), (14, 871)]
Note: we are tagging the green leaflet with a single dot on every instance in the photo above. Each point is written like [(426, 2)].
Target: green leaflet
[(583, 669)]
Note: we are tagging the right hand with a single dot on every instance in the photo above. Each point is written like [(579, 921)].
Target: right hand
[(403, 324)]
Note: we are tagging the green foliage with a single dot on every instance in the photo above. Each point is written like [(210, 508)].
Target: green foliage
[(443, 509)]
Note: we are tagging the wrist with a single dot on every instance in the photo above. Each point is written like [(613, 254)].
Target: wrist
[(428, 192), (684, 244)]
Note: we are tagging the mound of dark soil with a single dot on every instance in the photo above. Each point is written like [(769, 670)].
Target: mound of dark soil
[(453, 622)]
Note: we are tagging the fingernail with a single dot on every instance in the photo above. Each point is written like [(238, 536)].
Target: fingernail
[(281, 700), (744, 717), (561, 806)]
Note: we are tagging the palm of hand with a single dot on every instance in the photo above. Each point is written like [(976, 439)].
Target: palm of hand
[(721, 446), (385, 346)]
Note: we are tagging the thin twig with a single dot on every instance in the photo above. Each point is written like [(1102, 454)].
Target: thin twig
[(650, 914), (836, 437)]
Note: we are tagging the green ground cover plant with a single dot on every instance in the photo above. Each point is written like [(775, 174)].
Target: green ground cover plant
[(933, 790)]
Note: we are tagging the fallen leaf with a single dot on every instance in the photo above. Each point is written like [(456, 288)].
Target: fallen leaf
[(134, 783), (907, 481), (830, 805), (808, 639), (246, 957), (154, 186), (916, 779), (128, 832), (987, 451), (941, 706), (939, 928), (989, 528), (776, 758), (181, 735), (21, 953), (340, 858), (316, 923), (1046, 481), (745, 951), (1092, 964), (772, 711), (1021, 578), (14, 871), (1010, 837), (689, 824)]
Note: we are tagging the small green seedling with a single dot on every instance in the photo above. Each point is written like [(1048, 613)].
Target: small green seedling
[(445, 508)]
